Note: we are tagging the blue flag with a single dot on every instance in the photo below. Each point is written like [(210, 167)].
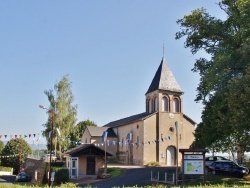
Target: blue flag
[(104, 136)]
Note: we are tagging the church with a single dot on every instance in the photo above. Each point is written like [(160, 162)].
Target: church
[(155, 135)]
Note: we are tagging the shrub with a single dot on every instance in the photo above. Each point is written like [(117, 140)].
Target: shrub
[(4, 168), (61, 175), (154, 163)]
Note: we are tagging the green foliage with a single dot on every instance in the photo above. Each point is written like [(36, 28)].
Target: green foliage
[(61, 175), (17, 151), (78, 130), (223, 75), (153, 163), (65, 114), (4, 168), (1, 146), (114, 172)]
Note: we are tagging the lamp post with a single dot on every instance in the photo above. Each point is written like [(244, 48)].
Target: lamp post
[(51, 138), (176, 172)]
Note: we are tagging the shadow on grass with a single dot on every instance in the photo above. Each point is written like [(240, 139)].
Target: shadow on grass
[(219, 180)]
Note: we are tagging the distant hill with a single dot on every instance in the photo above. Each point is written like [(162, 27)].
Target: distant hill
[(34, 146)]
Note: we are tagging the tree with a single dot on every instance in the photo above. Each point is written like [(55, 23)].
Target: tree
[(227, 42), (1, 146), (65, 114), (78, 131), (16, 151)]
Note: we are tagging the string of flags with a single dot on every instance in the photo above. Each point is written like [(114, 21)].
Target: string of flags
[(20, 136), (127, 142), (8, 156), (124, 143)]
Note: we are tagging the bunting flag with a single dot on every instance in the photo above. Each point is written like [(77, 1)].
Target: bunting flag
[(104, 136), (11, 136)]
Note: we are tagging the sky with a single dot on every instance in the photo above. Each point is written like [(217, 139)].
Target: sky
[(109, 49)]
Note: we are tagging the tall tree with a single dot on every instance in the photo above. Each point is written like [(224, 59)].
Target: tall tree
[(227, 42), (17, 151), (65, 114)]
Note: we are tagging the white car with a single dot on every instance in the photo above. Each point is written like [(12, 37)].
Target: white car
[(46, 158)]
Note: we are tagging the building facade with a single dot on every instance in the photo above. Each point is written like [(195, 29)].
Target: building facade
[(156, 134)]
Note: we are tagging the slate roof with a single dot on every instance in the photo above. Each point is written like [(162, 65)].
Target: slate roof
[(86, 149), (128, 120), (164, 79), (98, 131), (138, 117)]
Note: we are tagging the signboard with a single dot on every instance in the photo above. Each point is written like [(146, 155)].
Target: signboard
[(52, 176), (193, 157), (193, 167), (193, 164)]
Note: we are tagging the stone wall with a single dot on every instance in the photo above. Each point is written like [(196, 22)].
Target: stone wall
[(35, 168)]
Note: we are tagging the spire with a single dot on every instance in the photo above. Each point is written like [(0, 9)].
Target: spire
[(164, 79)]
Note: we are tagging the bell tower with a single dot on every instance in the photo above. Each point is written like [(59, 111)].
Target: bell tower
[(164, 93)]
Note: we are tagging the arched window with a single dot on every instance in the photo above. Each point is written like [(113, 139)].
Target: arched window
[(165, 104), (155, 104), (149, 106), (176, 105)]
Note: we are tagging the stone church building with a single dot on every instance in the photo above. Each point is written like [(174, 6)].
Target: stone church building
[(154, 135)]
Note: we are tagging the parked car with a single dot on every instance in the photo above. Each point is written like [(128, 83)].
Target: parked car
[(228, 168), (23, 177), (47, 158), (211, 159)]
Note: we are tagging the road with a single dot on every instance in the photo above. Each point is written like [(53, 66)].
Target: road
[(131, 177), (7, 179)]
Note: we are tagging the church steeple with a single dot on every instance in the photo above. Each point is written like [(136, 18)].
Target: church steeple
[(164, 79)]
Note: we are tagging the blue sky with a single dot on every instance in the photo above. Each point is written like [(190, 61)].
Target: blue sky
[(110, 50)]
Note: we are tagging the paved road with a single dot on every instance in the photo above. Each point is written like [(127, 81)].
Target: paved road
[(7, 179), (132, 177)]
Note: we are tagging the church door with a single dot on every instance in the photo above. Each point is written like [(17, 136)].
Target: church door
[(91, 165), (170, 156)]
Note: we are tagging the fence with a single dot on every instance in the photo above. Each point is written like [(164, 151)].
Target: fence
[(165, 177)]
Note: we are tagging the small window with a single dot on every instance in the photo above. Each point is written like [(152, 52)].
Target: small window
[(176, 105), (171, 129), (155, 104), (165, 104)]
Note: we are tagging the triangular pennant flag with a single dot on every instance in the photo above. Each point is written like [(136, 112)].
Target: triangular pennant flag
[(29, 135), (0, 136), (5, 136), (169, 137), (34, 135), (25, 136)]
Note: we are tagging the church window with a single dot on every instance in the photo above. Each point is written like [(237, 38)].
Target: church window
[(155, 104), (150, 106), (147, 105), (165, 104), (176, 105)]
